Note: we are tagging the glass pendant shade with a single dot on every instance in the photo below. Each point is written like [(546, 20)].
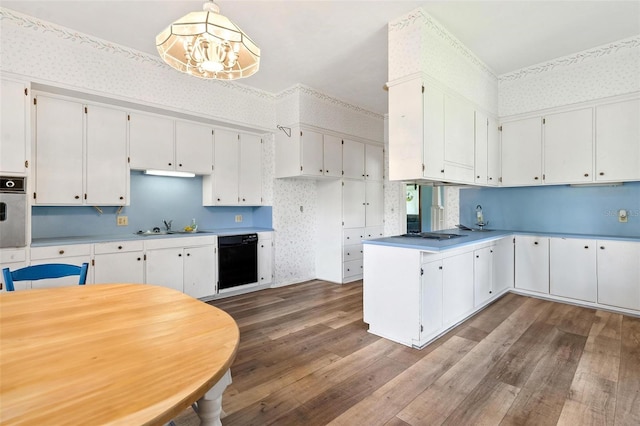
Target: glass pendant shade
[(208, 45)]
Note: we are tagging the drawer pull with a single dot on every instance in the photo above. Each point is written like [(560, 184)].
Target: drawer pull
[(586, 175), (601, 173), (119, 247), (536, 243), (61, 252), (601, 247), (586, 247)]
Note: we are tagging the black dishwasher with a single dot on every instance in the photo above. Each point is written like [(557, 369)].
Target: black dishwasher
[(237, 260)]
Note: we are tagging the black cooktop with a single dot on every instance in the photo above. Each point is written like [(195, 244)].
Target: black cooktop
[(432, 235)]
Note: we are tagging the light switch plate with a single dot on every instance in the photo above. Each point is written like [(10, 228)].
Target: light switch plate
[(238, 218), (122, 220), (622, 216)]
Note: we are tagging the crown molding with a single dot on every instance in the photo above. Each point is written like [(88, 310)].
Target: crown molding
[(419, 16), (573, 59)]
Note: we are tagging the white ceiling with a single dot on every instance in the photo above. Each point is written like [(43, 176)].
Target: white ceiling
[(340, 47)]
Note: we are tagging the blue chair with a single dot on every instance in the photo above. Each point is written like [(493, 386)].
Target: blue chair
[(41, 272)]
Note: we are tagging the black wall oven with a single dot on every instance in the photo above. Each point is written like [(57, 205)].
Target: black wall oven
[(237, 260)]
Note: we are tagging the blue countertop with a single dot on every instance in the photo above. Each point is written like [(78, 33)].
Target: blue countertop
[(91, 239), (473, 237)]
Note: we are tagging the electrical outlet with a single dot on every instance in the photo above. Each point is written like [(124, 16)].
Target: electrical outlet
[(122, 220), (238, 218), (622, 216)]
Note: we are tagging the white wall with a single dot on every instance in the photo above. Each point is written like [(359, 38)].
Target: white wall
[(607, 70)]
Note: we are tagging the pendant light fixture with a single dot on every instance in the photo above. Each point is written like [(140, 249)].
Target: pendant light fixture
[(207, 44)]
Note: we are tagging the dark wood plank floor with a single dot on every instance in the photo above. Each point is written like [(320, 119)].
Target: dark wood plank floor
[(305, 358)]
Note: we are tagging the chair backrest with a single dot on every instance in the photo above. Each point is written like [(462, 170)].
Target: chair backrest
[(41, 272)]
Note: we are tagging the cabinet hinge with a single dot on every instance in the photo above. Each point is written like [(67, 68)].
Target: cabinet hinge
[(93, 262), (423, 88), (34, 195), (342, 182), (238, 136), (421, 328), (300, 132), (85, 110), (544, 121), (487, 121), (499, 128), (128, 117), (342, 223), (26, 164), (421, 271), (544, 176), (423, 167), (212, 132), (35, 101), (85, 196), (144, 257), (342, 141), (300, 168), (500, 179), (26, 91), (128, 159)]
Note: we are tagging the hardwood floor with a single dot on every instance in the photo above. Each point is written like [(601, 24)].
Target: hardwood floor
[(305, 358)]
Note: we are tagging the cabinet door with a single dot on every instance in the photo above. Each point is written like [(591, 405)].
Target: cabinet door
[(119, 268), (194, 148), (107, 167), (457, 292), (405, 130), (459, 132), (312, 153), (151, 142), (493, 153), (572, 268), (431, 300), (59, 151), (433, 136), (522, 152), (226, 158), (353, 204), (13, 128), (250, 170), (568, 147), (164, 267), (532, 264), (332, 154), (374, 162), (265, 260), (617, 136), (483, 275), (374, 211), (618, 264), (482, 148), (353, 159), (200, 271), (503, 265)]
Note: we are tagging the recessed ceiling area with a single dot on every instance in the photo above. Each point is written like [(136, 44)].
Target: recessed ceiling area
[(340, 47)]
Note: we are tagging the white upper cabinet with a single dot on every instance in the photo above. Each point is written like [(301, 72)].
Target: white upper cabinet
[(13, 127), (194, 147), (482, 148), (429, 125), (107, 172), (59, 151), (522, 152), (618, 141), (374, 162), (353, 159), (312, 150), (250, 173), (568, 147), (332, 156), (151, 142), (493, 153), (237, 171)]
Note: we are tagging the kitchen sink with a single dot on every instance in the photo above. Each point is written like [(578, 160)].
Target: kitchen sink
[(432, 235), (148, 233)]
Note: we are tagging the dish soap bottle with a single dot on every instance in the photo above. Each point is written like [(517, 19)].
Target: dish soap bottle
[(479, 217)]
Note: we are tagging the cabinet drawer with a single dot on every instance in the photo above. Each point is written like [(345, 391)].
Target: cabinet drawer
[(118, 247), (352, 236), (352, 252), (13, 255), (62, 251), (351, 268), (374, 232)]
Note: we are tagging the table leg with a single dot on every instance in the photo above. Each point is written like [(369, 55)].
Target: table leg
[(210, 405)]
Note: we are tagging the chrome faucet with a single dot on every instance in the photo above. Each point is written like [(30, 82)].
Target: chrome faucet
[(167, 225)]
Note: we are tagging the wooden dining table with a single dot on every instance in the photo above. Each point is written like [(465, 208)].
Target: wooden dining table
[(118, 354)]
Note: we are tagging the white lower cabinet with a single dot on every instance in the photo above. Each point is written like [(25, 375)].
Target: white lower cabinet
[(503, 265), (457, 287), (532, 263), (431, 300), (618, 264), (483, 274), (265, 257), (572, 268), (73, 254), (184, 264), (118, 262), (13, 258)]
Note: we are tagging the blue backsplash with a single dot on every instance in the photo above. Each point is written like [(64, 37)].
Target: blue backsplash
[(153, 199), (564, 209)]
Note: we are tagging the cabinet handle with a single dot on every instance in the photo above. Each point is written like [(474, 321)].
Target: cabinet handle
[(442, 171), (601, 173), (180, 255), (477, 257), (363, 175), (121, 197), (536, 243), (440, 267), (139, 259), (586, 175), (119, 247), (188, 254), (535, 178), (320, 170), (326, 171), (169, 163), (586, 247), (601, 247), (477, 177), (244, 199), (490, 178), (490, 292), (218, 199), (180, 165), (61, 252), (77, 197), (348, 254)]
